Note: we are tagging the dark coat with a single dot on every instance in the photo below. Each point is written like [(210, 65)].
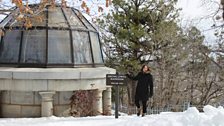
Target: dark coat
[(144, 88)]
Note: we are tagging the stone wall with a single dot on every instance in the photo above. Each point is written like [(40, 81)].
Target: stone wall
[(28, 104)]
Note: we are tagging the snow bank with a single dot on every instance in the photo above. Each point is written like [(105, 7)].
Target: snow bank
[(192, 117)]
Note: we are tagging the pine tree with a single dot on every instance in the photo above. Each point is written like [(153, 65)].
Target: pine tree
[(135, 29), (136, 32)]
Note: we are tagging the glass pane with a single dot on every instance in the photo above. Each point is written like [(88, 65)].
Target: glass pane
[(14, 23), (39, 20), (5, 19), (73, 19), (9, 48), (96, 47), (81, 44), (59, 51), (56, 18), (84, 20), (34, 47)]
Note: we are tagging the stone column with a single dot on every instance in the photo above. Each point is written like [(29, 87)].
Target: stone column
[(107, 101), (97, 103), (46, 103)]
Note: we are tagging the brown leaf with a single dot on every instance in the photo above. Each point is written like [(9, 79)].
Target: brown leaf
[(87, 10), (28, 23), (1, 33), (63, 3), (100, 9), (83, 5), (107, 3)]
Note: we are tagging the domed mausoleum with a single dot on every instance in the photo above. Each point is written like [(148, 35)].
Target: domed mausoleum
[(42, 66)]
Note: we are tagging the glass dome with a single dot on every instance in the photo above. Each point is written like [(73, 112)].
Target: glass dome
[(63, 39)]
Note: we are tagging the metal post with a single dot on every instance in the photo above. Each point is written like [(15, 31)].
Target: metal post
[(116, 101)]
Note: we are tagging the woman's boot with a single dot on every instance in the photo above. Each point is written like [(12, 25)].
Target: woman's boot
[(138, 111)]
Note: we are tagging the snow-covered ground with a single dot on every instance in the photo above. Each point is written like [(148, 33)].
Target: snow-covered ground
[(210, 117)]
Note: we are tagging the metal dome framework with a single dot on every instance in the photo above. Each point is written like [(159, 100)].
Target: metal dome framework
[(63, 39)]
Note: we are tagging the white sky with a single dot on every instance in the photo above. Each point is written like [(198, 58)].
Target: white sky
[(199, 13), (191, 8), (210, 117)]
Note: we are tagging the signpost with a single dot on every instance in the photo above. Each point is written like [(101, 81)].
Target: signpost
[(116, 80)]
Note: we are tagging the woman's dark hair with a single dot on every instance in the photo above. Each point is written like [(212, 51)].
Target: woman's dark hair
[(143, 68)]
